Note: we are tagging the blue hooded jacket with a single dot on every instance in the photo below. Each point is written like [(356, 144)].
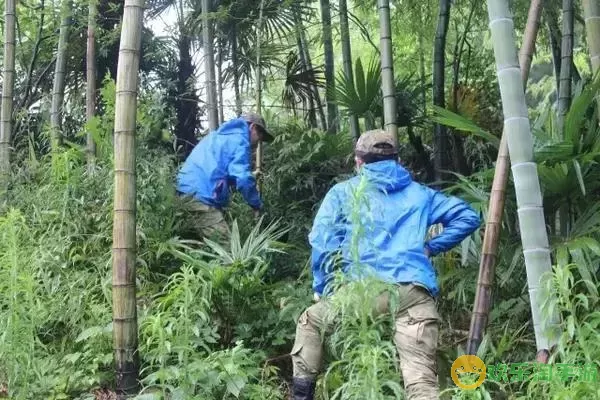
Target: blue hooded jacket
[(385, 215), (223, 156)]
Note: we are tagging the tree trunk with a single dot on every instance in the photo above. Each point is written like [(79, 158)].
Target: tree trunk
[(347, 56), (90, 96), (186, 105), (236, 77), (209, 67), (564, 91), (329, 67), (387, 69), (591, 11), (58, 91), (441, 159), (8, 86), (532, 224), (124, 216)]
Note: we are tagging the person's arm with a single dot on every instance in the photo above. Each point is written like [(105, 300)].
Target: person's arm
[(458, 218), (239, 168), (325, 238)]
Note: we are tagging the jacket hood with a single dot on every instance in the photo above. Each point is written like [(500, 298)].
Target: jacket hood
[(387, 175), (236, 126)]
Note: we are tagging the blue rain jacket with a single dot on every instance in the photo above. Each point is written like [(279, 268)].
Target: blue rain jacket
[(218, 160), (395, 214)]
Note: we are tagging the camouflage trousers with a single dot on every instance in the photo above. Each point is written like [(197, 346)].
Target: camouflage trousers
[(202, 220), (415, 337)]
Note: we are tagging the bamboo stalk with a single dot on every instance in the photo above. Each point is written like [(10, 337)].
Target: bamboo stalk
[(534, 236), (220, 44), (329, 66), (347, 58), (58, 90), (493, 226), (591, 12), (566, 70), (441, 154), (209, 67), (90, 97), (387, 69), (124, 218), (8, 73), (259, 147)]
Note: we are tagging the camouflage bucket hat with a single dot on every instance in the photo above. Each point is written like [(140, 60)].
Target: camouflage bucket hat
[(256, 119), (376, 142)]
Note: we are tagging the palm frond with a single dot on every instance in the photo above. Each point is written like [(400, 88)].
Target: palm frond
[(361, 96)]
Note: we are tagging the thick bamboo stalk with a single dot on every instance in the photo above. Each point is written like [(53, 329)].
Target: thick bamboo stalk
[(58, 90), (591, 12), (124, 222), (493, 226), (329, 66), (209, 67), (347, 58), (8, 73), (90, 96), (566, 71), (532, 224), (387, 69), (441, 155)]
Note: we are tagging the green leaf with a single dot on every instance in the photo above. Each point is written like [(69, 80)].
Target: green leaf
[(579, 176), (456, 121), (235, 385)]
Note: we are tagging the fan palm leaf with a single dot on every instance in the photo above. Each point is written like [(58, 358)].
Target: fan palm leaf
[(300, 81), (360, 97)]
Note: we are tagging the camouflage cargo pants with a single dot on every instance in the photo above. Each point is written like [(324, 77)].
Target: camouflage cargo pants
[(415, 337), (204, 221)]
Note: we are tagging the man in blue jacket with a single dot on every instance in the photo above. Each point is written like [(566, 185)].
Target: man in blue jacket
[(392, 246), (220, 160)]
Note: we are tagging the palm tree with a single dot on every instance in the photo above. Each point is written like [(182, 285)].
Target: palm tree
[(493, 226), (8, 86), (387, 69), (58, 91), (209, 67), (532, 224), (347, 57), (124, 222), (591, 13), (90, 96), (440, 132), (564, 91)]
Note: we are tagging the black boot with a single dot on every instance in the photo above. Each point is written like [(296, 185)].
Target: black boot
[(303, 389)]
